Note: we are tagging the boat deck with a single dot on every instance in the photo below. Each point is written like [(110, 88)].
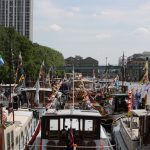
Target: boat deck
[(20, 117), (118, 137), (133, 131)]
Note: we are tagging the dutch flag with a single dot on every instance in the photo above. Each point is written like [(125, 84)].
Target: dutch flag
[(1, 61)]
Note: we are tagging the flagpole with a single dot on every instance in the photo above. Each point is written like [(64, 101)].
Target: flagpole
[(123, 72), (73, 86), (106, 73)]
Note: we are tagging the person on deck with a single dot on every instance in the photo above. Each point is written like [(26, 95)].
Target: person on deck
[(99, 96), (86, 103), (70, 140)]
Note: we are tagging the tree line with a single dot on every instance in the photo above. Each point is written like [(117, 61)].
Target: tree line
[(33, 54)]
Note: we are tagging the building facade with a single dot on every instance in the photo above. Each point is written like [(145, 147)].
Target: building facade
[(135, 65), (90, 67), (17, 14), (87, 66)]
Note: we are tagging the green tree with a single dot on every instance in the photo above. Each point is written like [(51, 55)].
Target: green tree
[(12, 43)]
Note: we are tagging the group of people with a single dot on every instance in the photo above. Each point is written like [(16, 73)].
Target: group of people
[(86, 102)]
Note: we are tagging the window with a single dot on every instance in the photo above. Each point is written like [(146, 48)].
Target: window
[(70, 122), (53, 125), (88, 125), (53, 128)]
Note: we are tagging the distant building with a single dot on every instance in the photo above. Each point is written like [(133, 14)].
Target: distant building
[(135, 65), (17, 14), (87, 66)]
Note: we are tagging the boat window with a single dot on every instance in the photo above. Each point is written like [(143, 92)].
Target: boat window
[(53, 128), (88, 125), (81, 124), (53, 125), (61, 124), (74, 123), (8, 141)]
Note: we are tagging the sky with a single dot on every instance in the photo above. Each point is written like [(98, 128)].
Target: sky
[(101, 29)]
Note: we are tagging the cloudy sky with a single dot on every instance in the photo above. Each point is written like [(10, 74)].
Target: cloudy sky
[(95, 28)]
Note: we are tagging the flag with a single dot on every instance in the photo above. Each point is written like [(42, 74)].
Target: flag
[(37, 86), (4, 116), (145, 78), (146, 87), (1, 61), (41, 69), (48, 79), (70, 142), (71, 136), (130, 97), (116, 82), (20, 58), (137, 99), (22, 78), (20, 70)]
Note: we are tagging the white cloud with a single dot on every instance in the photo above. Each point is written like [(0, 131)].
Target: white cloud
[(142, 31), (69, 14), (55, 27), (75, 9), (102, 36), (120, 25), (72, 12), (47, 9), (139, 14), (108, 13)]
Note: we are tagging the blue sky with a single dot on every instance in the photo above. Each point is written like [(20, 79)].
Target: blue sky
[(95, 28)]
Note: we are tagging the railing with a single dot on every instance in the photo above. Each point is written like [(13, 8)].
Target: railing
[(76, 147)]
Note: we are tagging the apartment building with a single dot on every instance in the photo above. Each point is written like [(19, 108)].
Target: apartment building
[(17, 14)]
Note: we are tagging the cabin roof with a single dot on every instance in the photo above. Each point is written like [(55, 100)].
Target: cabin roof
[(34, 89), (120, 94), (8, 85), (140, 112), (74, 112)]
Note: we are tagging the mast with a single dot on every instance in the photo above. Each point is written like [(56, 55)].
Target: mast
[(73, 87), (123, 72), (106, 70)]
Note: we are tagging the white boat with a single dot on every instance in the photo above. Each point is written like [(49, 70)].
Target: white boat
[(132, 133), (82, 128), (29, 94), (18, 129), (72, 129)]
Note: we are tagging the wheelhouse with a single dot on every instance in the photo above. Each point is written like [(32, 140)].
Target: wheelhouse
[(56, 125)]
